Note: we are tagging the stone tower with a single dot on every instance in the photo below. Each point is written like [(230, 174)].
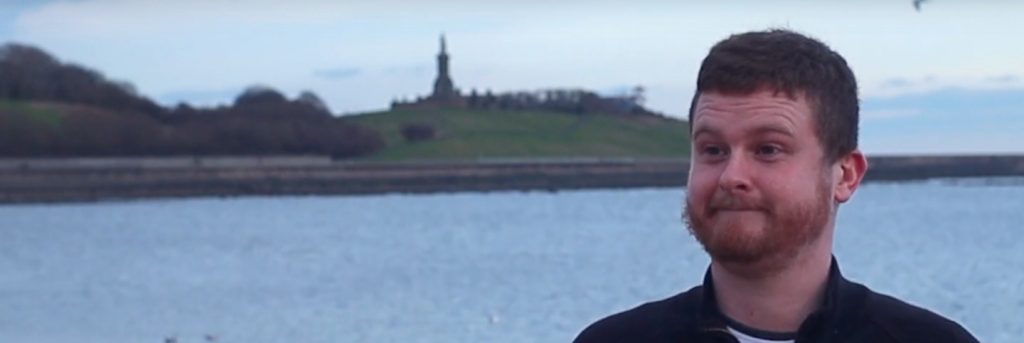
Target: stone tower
[(444, 89), (445, 94)]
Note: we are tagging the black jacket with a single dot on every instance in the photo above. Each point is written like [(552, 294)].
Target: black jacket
[(850, 313)]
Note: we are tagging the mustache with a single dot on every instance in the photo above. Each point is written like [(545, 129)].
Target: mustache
[(724, 201)]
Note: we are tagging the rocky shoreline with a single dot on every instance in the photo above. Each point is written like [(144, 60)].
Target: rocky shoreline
[(91, 179)]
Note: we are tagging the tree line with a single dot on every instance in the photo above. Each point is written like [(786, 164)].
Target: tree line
[(576, 101), (50, 108)]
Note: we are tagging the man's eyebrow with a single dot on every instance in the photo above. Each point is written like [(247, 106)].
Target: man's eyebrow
[(706, 131), (761, 130), (779, 129)]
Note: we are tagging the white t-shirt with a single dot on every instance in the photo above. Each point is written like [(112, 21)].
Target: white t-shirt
[(745, 338)]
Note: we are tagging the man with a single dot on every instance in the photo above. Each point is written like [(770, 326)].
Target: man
[(773, 126)]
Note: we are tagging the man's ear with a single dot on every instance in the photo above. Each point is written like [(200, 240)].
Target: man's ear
[(849, 171)]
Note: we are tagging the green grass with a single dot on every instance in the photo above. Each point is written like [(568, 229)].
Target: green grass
[(34, 115), (469, 134)]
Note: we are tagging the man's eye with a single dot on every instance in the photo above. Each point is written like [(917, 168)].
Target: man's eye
[(768, 150), (713, 151)]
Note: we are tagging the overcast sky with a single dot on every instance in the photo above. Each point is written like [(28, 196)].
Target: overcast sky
[(946, 79)]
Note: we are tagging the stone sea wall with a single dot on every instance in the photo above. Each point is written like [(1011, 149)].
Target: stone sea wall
[(88, 179)]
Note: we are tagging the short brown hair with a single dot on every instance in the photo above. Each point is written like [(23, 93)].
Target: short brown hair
[(792, 63)]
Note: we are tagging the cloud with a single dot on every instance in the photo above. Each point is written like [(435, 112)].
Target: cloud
[(928, 142), (105, 17), (904, 85), (1008, 78), (337, 73), (900, 86), (889, 113), (895, 83), (143, 18), (950, 99), (946, 120), (408, 70)]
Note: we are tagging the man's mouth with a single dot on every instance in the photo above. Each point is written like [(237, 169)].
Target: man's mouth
[(734, 210), (737, 209)]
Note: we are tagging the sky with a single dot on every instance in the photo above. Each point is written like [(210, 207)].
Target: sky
[(945, 79)]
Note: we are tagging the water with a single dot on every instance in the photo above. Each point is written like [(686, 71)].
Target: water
[(485, 267)]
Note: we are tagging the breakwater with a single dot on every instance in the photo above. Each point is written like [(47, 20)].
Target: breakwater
[(87, 179)]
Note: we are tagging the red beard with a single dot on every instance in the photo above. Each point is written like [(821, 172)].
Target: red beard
[(765, 235)]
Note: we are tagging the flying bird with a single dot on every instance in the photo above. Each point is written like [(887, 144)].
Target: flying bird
[(917, 4)]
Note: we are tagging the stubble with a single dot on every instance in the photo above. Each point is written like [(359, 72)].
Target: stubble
[(788, 227)]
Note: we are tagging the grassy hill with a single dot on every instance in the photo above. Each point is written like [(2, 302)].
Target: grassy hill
[(52, 129), (30, 128), (468, 134), (44, 115)]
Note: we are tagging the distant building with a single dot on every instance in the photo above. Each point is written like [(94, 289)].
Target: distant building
[(576, 101), (445, 94)]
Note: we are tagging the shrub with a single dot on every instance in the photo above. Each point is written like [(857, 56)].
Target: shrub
[(416, 132)]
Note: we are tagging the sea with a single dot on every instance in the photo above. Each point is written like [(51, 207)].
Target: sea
[(459, 267)]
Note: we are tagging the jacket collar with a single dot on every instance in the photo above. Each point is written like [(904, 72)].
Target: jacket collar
[(843, 299)]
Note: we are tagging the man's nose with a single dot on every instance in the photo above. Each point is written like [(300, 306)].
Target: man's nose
[(735, 178)]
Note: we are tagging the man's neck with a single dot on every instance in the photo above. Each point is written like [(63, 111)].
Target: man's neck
[(778, 302)]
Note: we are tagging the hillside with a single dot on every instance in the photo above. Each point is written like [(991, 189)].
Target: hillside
[(53, 129), (51, 108), (469, 134)]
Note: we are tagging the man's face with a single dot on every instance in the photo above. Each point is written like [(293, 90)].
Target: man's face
[(759, 188)]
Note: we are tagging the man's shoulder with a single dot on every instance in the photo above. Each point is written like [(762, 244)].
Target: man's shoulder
[(905, 322), (650, 322)]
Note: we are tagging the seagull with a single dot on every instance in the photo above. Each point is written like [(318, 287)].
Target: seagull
[(917, 4)]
